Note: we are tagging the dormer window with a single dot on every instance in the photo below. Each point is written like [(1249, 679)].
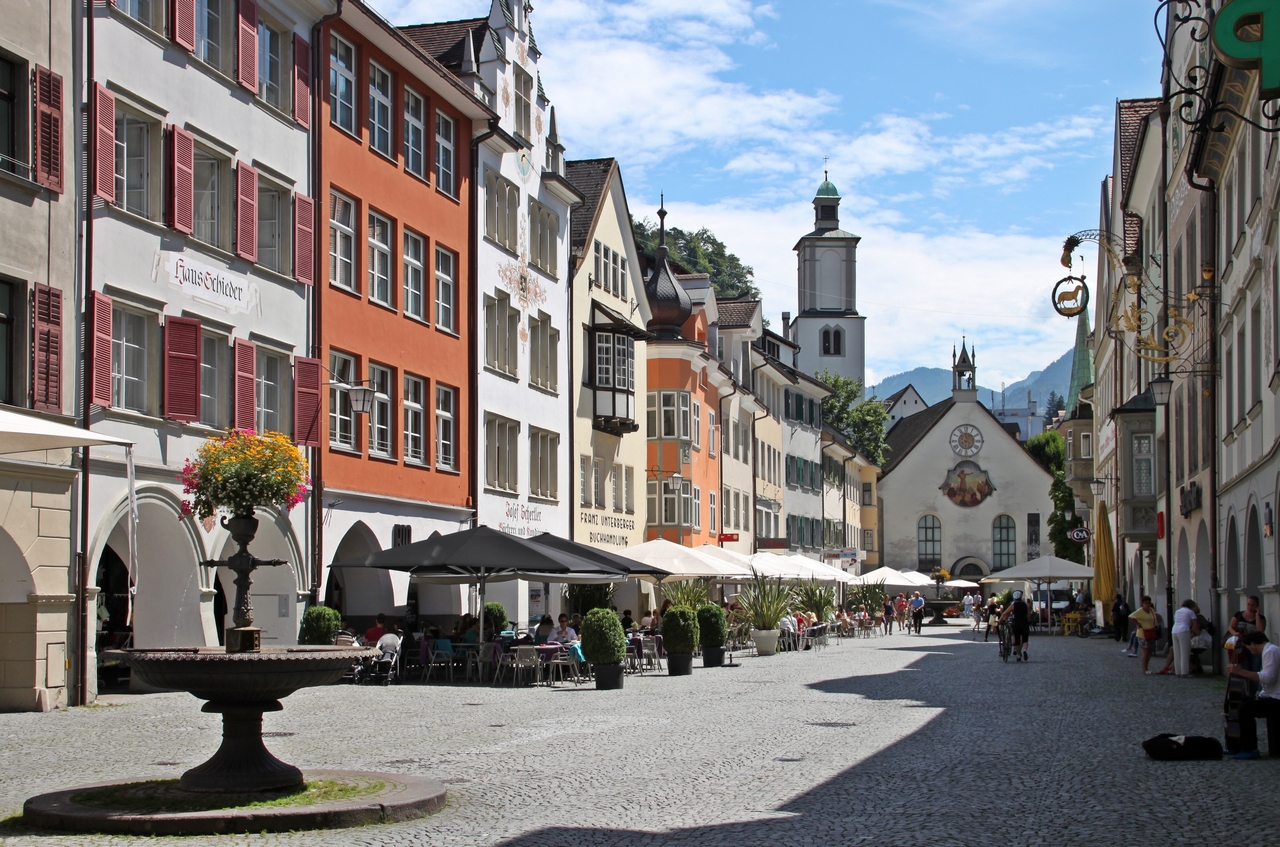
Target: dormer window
[(613, 381), (524, 100)]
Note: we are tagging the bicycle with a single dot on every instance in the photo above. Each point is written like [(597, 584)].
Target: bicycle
[(1089, 626), (1006, 641)]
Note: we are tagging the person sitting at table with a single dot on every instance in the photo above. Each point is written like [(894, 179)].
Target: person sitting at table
[(563, 634), (374, 633), (788, 629), (576, 622), (543, 630), (627, 621), (472, 635), (646, 622)]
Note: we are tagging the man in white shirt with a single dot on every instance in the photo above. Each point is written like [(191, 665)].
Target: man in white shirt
[(1268, 703), (968, 605), (563, 634)]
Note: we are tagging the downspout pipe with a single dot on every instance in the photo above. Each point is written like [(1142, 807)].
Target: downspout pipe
[(473, 312), (755, 469), (86, 380), (317, 335), (1164, 320)]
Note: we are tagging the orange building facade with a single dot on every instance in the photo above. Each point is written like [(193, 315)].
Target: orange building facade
[(394, 304)]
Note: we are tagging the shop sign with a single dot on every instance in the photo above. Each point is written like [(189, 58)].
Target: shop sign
[(1258, 48), (209, 283)]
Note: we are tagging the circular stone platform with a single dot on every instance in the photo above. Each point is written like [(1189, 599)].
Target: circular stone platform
[(379, 798)]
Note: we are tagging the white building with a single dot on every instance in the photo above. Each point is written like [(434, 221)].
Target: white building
[(802, 500), (902, 403), (959, 491), (198, 255)]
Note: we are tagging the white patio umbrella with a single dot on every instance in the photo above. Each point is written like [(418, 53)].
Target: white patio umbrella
[(680, 562), (960, 583), (774, 565), (27, 433), (733, 558), (887, 575), (916, 578), (1043, 569), (817, 570)]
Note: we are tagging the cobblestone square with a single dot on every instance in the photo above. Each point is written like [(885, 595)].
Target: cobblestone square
[(901, 740)]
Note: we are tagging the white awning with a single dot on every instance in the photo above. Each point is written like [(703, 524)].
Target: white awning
[(21, 433)]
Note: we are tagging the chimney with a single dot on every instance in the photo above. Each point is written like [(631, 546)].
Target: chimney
[(786, 325)]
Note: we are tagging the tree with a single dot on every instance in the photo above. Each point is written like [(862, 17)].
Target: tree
[(702, 252), (1049, 450), (1056, 403), (1064, 500), (862, 423)]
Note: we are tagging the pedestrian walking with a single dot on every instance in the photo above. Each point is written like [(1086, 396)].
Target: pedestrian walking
[(1120, 618), (968, 604), (992, 614), (1185, 626), (917, 611), (1148, 630), (888, 615)]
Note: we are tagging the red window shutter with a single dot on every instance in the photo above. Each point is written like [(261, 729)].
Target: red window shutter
[(48, 146), (247, 45), (182, 369), (301, 81), (182, 23), (245, 415), (246, 212), (104, 144), (306, 402), (100, 329), (47, 349), (304, 269), (182, 186)]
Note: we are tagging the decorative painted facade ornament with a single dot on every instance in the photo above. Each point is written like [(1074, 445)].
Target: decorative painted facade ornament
[(967, 484)]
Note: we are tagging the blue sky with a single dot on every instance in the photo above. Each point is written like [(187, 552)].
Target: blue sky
[(967, 137)]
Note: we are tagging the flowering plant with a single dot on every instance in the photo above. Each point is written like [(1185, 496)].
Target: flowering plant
[(240, 470)]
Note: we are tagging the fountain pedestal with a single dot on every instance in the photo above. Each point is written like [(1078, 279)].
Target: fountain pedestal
[(243, 762)]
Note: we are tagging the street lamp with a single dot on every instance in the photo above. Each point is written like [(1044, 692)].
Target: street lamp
[(1161, 387), (361, 399), (1097, 486)]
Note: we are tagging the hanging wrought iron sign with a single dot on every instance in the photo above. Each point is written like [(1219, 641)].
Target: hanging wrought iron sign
[(1070, 296), (1242, 39)]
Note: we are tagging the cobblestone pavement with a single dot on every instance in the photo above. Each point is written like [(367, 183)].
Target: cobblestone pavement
[(890, 741)]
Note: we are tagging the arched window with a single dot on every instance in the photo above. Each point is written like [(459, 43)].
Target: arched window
[(837, 342), (929, 543), (826, 342), (1004, 543)]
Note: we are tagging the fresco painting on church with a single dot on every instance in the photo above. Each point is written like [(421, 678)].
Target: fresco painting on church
[(967, 484)]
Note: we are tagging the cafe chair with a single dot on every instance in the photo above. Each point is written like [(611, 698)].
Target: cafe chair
[(440, 656)]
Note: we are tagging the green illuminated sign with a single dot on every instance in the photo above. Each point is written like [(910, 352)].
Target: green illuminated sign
[(1239, 49)]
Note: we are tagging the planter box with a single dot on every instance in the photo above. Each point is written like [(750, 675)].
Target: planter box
[(608, 677), (712, 657), (766, 641), (679, 664)]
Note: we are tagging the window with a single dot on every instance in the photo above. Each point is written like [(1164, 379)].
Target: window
[(837, 342), (668, 399), (380, 426), (697, 424), (1242, 396), (629, 490), (1143, 467), (133, 175), (342, 84), (145, 12), (651, 502), (6, 341), (269, 79), (379, 259), (1255, 354), (684, 415), (501, 452), (686, 503), (129, 364), (415, 420), (869, 539), (1086, 445), (544, 447), (604, 360), (584, 481), (342, 242), (544, 233), (544, 343), (415, 303), (379, 109), (826, 342), (207, 177), (1228, 406), (597, 483), (415, 133), (209, 31), (11, 118), (445, 262), (711, 433), (524, 98), (271, 227), (728, 509), (928, 543), (1070, 450), (271, 376), (602, 262), (502, 208), (711, 512), (501, 339), (651, 416), (697, 507), (444, 155), (214, 380), (446, 433), (342, 418), (1004, 543), (670, 503)]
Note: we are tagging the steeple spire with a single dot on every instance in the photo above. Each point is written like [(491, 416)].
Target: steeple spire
[(1081, 363)]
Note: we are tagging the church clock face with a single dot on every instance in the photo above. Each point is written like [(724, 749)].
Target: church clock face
[(966, 440)]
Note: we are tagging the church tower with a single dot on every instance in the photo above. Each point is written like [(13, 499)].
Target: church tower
[(828, 329), (964, 374)]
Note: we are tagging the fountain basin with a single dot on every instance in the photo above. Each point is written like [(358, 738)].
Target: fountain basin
[(210, 673)]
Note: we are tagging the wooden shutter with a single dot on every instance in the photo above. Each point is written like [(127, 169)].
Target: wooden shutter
[(100, 331), (48, 130), (306, 402), (182, 23), (246, 212), (104, 144), (245, 413), (182, 369), (247, 45), (182, 165), (301, 81), (304, 239), (47, 349)]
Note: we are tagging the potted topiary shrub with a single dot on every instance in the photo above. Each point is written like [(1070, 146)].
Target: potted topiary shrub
[(604, 646), (495, 617), (713, 632), (764, 601), (679, 639), (320, 625)]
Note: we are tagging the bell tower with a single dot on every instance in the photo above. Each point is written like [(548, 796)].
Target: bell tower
[(964, 373)]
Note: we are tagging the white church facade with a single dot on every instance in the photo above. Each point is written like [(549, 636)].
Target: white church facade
[(959, 491)]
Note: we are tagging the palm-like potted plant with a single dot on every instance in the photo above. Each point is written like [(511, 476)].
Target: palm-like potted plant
[(764, 601), (713, 632), (815, 598), (679, 639), (604, 646)]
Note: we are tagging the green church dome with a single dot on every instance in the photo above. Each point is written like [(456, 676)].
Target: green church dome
[(827, 189)]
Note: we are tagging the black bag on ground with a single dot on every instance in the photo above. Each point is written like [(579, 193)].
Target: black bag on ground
[(1167, 747)]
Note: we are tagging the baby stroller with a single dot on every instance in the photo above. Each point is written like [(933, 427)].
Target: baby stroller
[(385, 669)]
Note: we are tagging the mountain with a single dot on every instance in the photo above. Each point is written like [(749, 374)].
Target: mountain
[(934, 384)]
